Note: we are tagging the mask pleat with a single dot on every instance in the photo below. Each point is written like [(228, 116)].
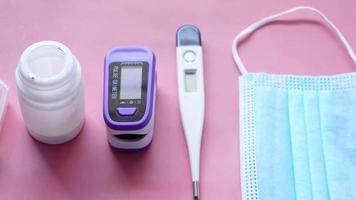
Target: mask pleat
[(338, 111), (299, 145), (315, 146), (274, 153)]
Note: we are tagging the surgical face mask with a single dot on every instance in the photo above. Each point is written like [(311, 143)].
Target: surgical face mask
[(297, 133)]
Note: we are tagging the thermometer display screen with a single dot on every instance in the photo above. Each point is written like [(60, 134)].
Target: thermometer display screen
[(190, 80), (131, 82)]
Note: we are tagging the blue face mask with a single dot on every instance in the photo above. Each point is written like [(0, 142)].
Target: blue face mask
[(297, 133)]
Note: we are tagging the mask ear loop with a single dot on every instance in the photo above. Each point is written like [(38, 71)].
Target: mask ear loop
[(253, 27)]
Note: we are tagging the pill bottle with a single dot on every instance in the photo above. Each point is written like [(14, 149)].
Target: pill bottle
[(50, 92)]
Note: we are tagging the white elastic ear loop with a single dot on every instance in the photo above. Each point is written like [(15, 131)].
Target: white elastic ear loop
[(272, 18)]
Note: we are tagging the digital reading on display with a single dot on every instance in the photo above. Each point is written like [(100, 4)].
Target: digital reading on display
[(190, 80), (130, 82)]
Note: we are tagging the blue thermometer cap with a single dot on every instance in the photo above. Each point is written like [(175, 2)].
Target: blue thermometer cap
[(188, 35)]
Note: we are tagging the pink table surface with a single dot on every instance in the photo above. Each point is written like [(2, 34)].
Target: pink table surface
[(86, 168)]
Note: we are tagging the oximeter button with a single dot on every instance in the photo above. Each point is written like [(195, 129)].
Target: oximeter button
[(189, 56), (126, 111)]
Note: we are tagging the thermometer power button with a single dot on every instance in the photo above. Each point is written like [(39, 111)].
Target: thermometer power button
[(189, 56)]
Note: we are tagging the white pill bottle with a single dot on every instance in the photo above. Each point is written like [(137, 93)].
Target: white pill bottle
[(50, 92)]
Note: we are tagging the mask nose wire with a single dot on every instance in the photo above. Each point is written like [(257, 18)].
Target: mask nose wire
[(253, 27)]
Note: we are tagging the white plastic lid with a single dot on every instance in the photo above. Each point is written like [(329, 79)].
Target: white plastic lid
[(4, 90), (58, 60)]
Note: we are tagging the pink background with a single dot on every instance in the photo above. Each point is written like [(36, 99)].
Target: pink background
[(86, 168)]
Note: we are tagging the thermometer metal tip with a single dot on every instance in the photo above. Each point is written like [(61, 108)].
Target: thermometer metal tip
[(196, 190)]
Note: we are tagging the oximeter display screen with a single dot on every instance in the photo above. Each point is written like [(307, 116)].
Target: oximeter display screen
[(130, 82)]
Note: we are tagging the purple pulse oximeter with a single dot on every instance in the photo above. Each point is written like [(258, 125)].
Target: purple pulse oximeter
[(129, 96)]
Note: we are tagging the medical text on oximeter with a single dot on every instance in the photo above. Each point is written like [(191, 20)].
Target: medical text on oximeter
[(115, 76)]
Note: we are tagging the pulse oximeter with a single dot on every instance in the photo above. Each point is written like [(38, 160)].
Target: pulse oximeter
[(129, 97)]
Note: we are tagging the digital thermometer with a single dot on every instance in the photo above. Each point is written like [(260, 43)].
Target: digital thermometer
[(191, 94), (129, 97)]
